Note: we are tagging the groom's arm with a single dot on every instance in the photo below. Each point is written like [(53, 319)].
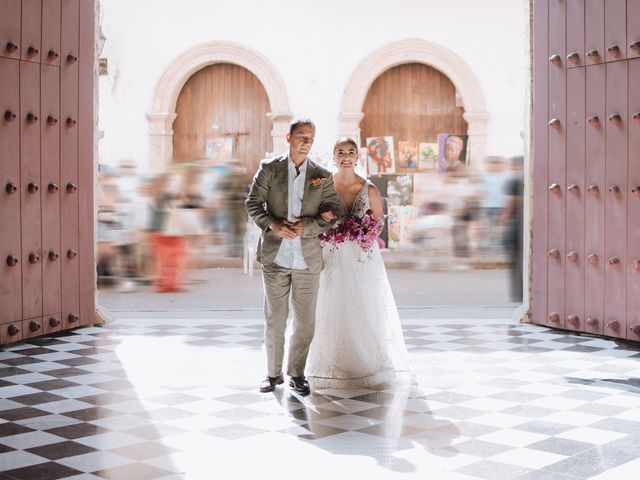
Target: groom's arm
[(257, 198), (314, 226)]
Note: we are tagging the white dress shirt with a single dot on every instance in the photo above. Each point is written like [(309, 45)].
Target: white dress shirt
[(290, 252)]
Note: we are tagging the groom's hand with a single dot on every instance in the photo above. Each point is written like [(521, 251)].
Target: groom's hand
[(297, 226), (283, 229)]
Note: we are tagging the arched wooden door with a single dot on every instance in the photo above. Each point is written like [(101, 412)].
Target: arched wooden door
[(218, 101), (411, 102)]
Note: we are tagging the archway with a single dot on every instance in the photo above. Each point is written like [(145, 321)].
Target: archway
[(162, 114), (428, 53)]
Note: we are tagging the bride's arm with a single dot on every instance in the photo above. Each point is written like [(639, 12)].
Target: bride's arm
[(376, 203)]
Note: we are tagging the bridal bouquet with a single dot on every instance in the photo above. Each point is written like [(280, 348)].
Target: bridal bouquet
[(364, 230)]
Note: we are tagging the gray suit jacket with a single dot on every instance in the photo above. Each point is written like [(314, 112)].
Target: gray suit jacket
[(268, 202)]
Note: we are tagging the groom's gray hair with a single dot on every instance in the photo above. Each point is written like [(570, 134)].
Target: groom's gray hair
[(296, 122)]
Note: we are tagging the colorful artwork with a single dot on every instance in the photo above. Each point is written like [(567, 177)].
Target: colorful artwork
[(400, 220), (399, 189), (218, 148), (428, 156), (380, 155), (407, 154), (452, 151)]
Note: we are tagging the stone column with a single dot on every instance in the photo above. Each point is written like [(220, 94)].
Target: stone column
[(477, 133), (279, 131), (160, 141), (349, 125)]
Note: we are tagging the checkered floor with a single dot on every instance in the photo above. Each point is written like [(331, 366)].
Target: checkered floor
[(489, 401)]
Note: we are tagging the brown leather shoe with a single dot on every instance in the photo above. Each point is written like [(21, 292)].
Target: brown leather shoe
[(300, 385), (269, 384)]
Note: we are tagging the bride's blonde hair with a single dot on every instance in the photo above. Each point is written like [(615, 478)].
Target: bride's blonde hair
[(348, 140)]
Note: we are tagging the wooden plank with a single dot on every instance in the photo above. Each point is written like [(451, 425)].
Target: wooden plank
[(69, 198), (86, 172), (616, 203), (575, 33), (31, 34), (50, 154), (30, 190), (557, 173), (633, 28), (575, 198), (10, 236), (595, 197), (51, 16), (633, 214), (595, 51), (10, 26), (615, 30)]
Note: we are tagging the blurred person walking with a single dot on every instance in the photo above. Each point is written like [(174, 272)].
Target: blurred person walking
[(513, 190)]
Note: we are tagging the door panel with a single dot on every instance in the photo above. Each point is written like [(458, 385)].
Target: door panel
[(69, 197), (30, 190), (51, 32), (596, 191), (594, 32), (633, 215), (50, 134), (616, 201), (575, 33), (10, 191), (86, 172), (10, 27), (557, 153), (615, 30), (574, 270), (633, 29), (31, 30)]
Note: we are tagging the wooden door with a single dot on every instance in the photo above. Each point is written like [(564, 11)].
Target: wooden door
[(587, 154), (47, 266), (218, 101), (412, 102)]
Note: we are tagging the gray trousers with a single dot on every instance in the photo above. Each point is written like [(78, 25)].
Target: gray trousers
[(279, 282)]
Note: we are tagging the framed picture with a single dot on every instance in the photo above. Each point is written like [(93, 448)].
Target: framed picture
[(399, 189), (380, 155), (408, 154), (218, 148), (427, 156), (452, 150), (401, 219)]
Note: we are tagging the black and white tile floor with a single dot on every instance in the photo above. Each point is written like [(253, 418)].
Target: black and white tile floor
[(171, 400)]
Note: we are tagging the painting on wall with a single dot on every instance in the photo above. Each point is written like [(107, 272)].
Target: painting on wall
[(380, 155), (218, 148), (401, 219), (408, 154), (452, 150), (399, 189), (427, 156)]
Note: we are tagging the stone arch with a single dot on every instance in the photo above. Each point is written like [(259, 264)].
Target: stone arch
[(170, 84), (428, 53)]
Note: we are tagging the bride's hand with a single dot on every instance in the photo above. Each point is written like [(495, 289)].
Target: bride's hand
[(328, 216)]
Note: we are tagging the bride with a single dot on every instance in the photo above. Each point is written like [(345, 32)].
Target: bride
[(358, 338)]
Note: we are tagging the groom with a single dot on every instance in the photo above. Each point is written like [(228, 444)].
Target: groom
[(287, 197)]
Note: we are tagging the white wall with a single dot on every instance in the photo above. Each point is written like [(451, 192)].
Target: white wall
[(315, 46)]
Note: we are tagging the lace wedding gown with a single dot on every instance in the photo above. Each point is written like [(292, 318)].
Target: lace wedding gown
[(358, 338)]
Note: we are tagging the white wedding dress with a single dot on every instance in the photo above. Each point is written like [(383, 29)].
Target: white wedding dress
[(358, 339)]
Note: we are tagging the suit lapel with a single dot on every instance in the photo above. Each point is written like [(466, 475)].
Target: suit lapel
[(283, 178)]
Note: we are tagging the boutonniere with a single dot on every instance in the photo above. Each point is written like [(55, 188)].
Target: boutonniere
[(316, 182)]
